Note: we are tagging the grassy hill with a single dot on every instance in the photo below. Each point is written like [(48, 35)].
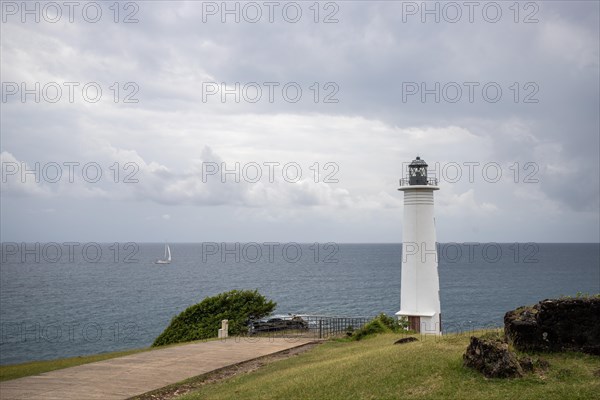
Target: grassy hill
[(431, 368)]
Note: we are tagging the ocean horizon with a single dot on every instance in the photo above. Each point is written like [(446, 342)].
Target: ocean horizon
[(59, 300)]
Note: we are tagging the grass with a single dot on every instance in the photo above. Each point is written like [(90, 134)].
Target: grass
[(431, 368), (374, 368)]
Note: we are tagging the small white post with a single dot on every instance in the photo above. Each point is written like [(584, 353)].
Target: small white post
[(224, 331)]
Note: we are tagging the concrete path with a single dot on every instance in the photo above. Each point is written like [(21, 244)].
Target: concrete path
[(124, 377)]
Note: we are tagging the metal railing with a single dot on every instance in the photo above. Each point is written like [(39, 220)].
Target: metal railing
[(430, 182), (306, 326)]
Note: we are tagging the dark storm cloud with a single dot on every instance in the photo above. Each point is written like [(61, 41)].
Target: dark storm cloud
[(371, 55)]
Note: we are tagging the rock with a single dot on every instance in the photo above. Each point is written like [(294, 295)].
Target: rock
[(406, 340), (556, 325), (492, 358), (526, 364), (529, 364)]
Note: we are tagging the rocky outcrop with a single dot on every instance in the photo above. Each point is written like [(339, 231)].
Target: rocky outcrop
[(556, 325), (492, 358)]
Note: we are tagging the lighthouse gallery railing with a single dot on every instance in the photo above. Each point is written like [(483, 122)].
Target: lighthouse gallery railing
[(430, 182)]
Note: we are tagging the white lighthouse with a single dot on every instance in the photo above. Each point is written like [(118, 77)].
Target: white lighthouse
[(420, 288)]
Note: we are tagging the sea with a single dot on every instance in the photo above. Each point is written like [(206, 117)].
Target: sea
[(69, 299)]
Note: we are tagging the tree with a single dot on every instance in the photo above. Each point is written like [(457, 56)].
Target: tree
[(202, 320)]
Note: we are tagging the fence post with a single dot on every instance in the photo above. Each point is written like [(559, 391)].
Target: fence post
[(320, 329)]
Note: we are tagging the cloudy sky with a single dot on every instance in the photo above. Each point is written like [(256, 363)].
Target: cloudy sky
[(318, 108)]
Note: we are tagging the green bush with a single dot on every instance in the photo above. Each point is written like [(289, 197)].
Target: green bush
[(203, 320), (391, 322), (380, 324)]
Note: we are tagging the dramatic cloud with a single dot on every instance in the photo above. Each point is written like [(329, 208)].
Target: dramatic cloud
[(156, 105)]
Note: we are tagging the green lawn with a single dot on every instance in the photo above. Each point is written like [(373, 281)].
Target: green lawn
[(431, 368)]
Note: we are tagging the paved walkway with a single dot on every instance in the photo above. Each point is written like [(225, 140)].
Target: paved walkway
[(124, 377)]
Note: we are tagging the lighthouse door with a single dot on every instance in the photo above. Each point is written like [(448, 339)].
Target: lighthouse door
[(414, 323)]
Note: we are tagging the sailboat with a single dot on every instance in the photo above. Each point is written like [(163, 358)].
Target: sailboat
[(167, 258)]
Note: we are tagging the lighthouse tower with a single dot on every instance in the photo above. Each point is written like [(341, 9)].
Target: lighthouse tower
[(420, 288)]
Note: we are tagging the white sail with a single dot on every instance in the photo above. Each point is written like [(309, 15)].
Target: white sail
[(167, 258)]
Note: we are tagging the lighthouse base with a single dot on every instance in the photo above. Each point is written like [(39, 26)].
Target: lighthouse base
[(424, 323)]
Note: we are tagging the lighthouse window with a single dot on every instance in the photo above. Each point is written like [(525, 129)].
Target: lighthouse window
[(418, 172)]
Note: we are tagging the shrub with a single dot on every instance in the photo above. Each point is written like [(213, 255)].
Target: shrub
[(203, 320), (380, 324), (390, 322), (403, 323)]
